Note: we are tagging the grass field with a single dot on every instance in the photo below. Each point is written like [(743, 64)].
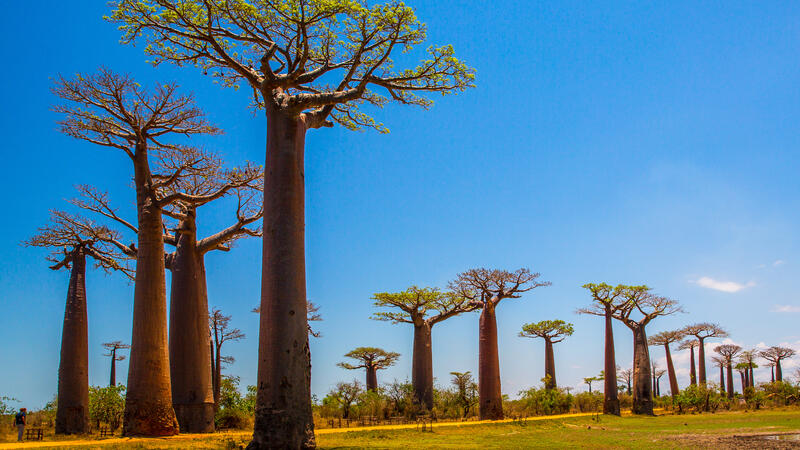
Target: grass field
[(669, 431)]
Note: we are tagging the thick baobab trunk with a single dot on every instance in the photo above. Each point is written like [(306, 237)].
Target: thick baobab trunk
[(692, 371), (72, 415), (772, 373), (730, 380), (491, 400), (721, 379), (778, 371), (743, 376), (611, 397), (148, 402), (189, 359), (752, 380), (422, 365), (701, 361), (113, 378), (372, 378), (283, 406), (673, 379), (549, 365), (642, 389)]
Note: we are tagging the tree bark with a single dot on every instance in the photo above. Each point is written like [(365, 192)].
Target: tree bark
[(422, 365), (673, 379), (113, 379), (772, 372), (283, 406), (217, 383), (549, 364), (189, 359), (701, 360), (730, 380), (778, 371), (213, 374), (752, 381), (642, 389), (743, 376), (611, 396), (721, 379), (148, 402), (72, 415), (489, 393), (692, 371), (372, 378)]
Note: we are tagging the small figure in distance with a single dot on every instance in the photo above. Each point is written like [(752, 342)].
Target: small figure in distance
[(19, 420)]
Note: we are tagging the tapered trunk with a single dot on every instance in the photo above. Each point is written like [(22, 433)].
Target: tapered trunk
[(372, 378), (611, 396), (217, 383), (148, 402), (654, 383), (701, 360), (549, 365), (72, 415), (422, 365), (778, 371), (673, 379), (752, 380), (744, 381), (189, 359), (213, 373), (772, 373), (721, 379), (283, 406), (490, 396), (113, 379), (692, 370), (642, 389), (730, 381)]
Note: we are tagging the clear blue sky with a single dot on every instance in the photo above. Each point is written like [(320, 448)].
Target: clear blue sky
[(626, 142)]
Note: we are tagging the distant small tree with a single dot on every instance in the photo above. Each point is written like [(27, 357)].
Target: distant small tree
[(552, 332), (107, 404), (748, 358), (112, 348), (719, 361), (775, 355), (690, 344), (626, 375), (703, 331), (372, 359), (219, 325), (466, 389), (666, 338), (346, 394), (728, 352), (589, 380)]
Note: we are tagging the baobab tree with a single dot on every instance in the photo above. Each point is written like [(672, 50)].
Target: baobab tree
[(113, 347), (312, 310), (637, 307), (219, 328), (744, 373), (467, 394), (775, 355), (485, 289), (589, 380), (728, 352), (372, 359), (605, 304), (719, 361), (748, 357), (703, 331), (191, 382), (71, 242), (666, 338), (114, 111), (309, 64), (626, 376), (552, 332), (657, 374), (690, 344), (423, 308)]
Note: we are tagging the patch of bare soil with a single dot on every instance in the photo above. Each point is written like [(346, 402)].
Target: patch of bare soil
[(763, 440)]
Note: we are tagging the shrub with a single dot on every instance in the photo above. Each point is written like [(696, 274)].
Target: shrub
[(233, 418), (107, 404), (589, 401), (544, 401)]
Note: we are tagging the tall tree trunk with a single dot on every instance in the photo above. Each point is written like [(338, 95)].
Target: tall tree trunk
[(673, 379), (213, 374), (744, 381), (642, 389), (283, 405), (549, 365), (372, 378), (610, 396), (701, 360), (189, 359), (692, 371), (422, 365), (148, 402), (772, 371), (217, 383), (778, 371), (491, 400), (113, 379), (72, 415), (752, 380), (721, 379), (730, 380)]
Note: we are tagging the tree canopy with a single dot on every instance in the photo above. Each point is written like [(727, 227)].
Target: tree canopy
[(370, 357), (665, 337), (550, 330), (420, 305)]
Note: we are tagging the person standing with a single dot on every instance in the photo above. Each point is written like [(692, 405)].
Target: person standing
[(20, 420)]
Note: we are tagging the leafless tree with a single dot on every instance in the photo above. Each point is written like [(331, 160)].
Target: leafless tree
[(728, 352), (667, 338), (626, 376), (219, 328), (719, 361), (112, 348), (703, 331), (485, 288), (690, 344)]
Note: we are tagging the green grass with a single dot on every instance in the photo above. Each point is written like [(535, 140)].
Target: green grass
[(669, 431)]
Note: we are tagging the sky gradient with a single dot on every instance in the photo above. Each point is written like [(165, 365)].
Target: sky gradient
[(606, 141)]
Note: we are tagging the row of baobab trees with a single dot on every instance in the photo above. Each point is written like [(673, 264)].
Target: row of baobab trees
[(308, 64)]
